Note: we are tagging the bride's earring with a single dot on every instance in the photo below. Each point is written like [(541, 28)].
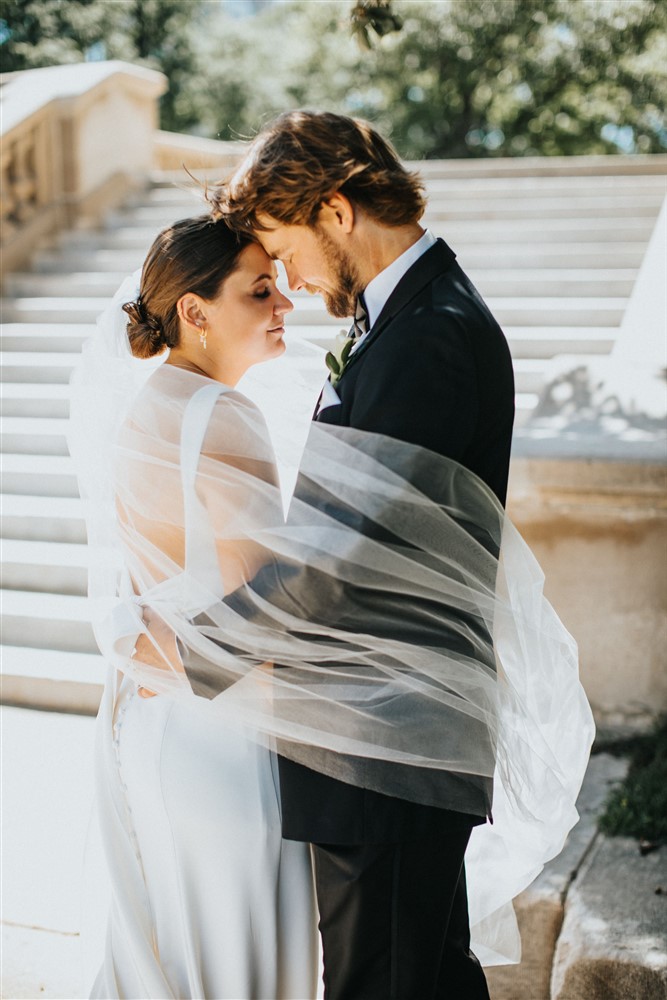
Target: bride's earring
[(202, 335)]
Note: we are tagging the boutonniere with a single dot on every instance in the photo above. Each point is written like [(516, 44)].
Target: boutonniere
[(336, 358)]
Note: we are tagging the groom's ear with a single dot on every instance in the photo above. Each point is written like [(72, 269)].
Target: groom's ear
[(189, 309), (337, 212)]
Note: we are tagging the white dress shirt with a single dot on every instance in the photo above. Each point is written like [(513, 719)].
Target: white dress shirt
[(380, 288), (376, 294)]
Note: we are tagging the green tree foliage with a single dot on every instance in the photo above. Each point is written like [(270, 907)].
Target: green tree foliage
[(156, 33), (50, 32), (461, 77), (444, 78)]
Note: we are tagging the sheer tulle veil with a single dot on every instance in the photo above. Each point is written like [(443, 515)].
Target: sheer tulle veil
[(377, 617)]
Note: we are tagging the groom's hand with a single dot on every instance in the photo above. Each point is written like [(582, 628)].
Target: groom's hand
[(159, 649)]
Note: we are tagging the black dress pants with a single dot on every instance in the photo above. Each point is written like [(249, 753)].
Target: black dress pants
[(394, 921)]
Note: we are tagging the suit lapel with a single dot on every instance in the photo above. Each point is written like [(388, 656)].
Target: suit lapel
[(424, 270)]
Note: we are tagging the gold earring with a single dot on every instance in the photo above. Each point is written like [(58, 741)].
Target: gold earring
[(202, 336)]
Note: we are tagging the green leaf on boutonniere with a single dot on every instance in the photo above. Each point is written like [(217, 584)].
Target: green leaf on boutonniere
[(337, 359), (332, 364)]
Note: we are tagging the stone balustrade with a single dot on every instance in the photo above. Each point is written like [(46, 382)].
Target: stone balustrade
[(75, 140)]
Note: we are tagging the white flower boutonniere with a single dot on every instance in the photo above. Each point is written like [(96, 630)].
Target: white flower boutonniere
[(336, 357)]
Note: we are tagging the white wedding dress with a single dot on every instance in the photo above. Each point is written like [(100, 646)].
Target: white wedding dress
[(207, 900)]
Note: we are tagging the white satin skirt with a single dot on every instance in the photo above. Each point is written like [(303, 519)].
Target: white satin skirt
[(207, 900)]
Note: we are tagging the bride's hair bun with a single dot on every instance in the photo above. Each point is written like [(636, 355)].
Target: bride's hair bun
[(144, 331)]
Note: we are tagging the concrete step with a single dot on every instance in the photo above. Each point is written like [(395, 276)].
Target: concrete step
[(490, 281), (34, 436), (509, 208), (52, 567), (564, 229), (528, 375), (515, 209), (126, 238), (53, 309), (447, 204), (45, 337), (459, 233), (537, 188), (51, 368), (42, 518), (59, 680), (528, 379), (580, 255), (583, 254), (47, 621), (558, 312), (437, 180), (56, 261), (75, 283), (39, 475), (25, 399), (613, 940), (573, 169), (547, 341), (531, 374), (557, 282)]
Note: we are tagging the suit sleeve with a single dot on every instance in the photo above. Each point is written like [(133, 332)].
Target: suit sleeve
[(422, 385)]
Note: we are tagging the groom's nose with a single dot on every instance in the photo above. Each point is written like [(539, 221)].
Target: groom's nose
[(294, 279)]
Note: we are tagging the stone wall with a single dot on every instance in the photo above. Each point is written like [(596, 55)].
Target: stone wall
[(599, 530)]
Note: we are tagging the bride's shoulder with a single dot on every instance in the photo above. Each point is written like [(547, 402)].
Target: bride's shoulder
[(170, 393), (177, 386), (233, 412)]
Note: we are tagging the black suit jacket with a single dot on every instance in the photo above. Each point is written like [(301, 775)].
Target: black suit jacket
[(436, 371)]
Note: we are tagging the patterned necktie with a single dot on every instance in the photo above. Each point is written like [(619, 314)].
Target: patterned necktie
[(360, 322)]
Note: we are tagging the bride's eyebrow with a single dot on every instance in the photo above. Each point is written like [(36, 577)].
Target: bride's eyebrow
[(263, 277)]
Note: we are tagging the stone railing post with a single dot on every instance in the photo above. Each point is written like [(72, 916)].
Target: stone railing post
[(74, 141)]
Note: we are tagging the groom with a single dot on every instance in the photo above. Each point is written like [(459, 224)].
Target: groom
[(429, 365)]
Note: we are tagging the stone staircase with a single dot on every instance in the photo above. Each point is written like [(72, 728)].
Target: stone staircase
[(556, 258)]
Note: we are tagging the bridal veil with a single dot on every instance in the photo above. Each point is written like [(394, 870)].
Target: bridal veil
[(376, 616)]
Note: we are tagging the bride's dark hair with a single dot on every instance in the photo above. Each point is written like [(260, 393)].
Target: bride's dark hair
[(193, 255)]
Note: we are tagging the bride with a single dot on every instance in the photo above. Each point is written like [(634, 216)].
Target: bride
[(389, 632), (208, 900)]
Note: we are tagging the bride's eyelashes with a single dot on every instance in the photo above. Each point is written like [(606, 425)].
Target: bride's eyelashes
[(264, 294)]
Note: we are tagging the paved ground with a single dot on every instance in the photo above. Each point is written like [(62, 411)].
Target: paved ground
[(598, 912), (47, 794)]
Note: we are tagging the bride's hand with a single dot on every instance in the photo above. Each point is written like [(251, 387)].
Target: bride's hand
[(159, 650)]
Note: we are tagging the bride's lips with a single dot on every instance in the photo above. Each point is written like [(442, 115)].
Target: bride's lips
[(277, 329)]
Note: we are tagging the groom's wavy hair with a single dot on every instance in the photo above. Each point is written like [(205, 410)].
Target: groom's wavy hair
[(301, 158)]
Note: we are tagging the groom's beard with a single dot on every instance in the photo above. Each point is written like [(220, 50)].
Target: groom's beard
[(342, 301)]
